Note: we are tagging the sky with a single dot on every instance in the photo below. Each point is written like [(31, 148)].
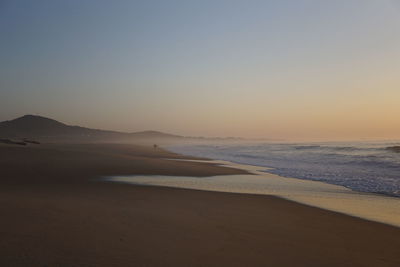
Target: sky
[(299, 69)]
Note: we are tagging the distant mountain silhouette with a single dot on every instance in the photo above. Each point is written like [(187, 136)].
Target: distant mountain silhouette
[(32, 126)]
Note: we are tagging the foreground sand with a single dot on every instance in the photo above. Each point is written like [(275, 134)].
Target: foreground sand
[(56, 212)]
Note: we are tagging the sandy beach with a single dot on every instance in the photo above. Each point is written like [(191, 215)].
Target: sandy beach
[(56, 211), (200, 133), (369, 206)]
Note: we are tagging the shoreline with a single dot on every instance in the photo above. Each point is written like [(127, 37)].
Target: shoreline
[(369, 206), (53, 214), (362, 167)]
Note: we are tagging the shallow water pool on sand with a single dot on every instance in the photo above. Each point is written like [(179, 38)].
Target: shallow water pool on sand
[(373, 207)]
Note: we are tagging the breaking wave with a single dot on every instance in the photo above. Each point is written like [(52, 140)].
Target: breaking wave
[(365, 167)]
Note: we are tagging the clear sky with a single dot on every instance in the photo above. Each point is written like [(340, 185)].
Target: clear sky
[(277, 69)]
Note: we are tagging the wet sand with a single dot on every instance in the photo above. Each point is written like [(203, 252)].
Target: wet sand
[(56, 211), (369, 206)]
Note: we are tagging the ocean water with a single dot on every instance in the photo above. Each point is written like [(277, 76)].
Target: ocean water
[(371, 167)]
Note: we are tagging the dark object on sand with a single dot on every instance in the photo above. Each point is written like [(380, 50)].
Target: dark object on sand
[(394, 149), (8, 141), (155, 146), (31, 141)]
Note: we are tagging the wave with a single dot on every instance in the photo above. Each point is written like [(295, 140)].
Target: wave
[(335, 148), (306, 147), (346, 148), (366, 167), (395, 149)]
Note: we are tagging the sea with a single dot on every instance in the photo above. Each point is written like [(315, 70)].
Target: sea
[(372, 167)]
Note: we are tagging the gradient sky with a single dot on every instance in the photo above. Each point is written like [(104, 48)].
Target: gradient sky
[(275, 69)]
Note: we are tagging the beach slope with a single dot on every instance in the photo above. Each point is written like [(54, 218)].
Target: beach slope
[(56, 211)]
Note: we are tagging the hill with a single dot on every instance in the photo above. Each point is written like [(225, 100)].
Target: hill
[(41, 128)]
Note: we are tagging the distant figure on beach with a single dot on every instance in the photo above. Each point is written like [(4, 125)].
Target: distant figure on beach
[(155, 146)]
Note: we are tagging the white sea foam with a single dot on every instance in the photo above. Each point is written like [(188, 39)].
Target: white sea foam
[(365, 167)]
